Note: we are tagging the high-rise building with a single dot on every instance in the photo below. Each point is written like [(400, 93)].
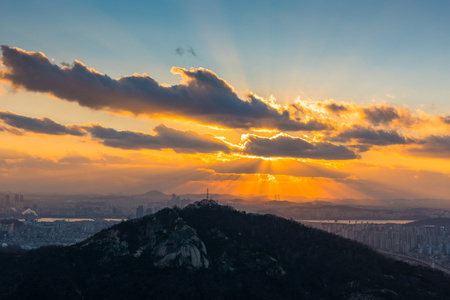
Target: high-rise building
[(140, 211), (16, 200)]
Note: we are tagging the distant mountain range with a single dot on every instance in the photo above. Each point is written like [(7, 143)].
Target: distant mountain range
[(399, 203), (209, 251), (155, 196)]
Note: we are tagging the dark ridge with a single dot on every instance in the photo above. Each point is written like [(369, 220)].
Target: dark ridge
[(209, 251)]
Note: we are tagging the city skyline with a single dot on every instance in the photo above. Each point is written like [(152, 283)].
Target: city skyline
[(315, 100)]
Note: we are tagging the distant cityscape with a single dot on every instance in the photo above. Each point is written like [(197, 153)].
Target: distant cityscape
[(57, 206), (422, 242), (42, 220), (38, 222)]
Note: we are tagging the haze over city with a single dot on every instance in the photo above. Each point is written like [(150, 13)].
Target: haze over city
[(304, 99)]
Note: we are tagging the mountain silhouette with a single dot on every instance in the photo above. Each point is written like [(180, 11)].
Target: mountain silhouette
[(209, 251)]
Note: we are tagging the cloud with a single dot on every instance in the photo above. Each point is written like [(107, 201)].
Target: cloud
[(165, 138), (446, 120), (371, 136), (14, 159), (388, 114), (286, 146), (201, 96), (9, 129), (75, 158), (383, 114), (433, 146), (335, 108), (360, 147), (180, 141), (39, 125), (289, 167), (390, 96), (9, 154)]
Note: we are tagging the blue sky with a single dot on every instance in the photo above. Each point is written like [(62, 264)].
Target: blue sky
[(361, 97), (346, 50)]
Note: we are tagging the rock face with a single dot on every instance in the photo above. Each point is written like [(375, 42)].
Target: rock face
[(164, 237), (175, 246)]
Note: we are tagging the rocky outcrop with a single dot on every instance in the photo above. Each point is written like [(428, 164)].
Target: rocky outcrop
[(164, 237), (176, 245)]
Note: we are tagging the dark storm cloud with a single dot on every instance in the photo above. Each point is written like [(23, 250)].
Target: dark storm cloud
[(39, 125), (371, 136), (287, 146), (202, 96), (165, 138)]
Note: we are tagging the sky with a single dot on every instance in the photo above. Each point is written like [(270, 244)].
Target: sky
[(306, 99)]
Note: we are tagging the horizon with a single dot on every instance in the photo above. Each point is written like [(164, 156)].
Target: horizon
[(306, 100), (249, 199)]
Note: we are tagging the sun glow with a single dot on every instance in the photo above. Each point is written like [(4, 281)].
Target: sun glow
[(201, 132)]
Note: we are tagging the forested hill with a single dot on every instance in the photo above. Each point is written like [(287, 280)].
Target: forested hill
[(208, 251)]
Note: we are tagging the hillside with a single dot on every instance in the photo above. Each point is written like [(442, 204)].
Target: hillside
[(207, 251)]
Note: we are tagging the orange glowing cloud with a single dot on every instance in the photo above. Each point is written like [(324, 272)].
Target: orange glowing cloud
[(306, 148), (201, 96)]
